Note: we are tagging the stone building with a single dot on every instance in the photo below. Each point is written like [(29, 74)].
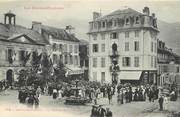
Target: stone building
[(168, 63), (17, 44), (63, 46), (123, 47)]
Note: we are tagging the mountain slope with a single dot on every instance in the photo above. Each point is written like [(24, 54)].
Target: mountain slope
[(170, 34)]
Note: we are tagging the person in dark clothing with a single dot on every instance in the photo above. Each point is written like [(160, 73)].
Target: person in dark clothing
[(122, 97), (31, 101), (126, 97), (150, 95), (101, 111), (140, 95), (108, 113), (36, 101), (161, 100), (130, 93), (136, 95), (94, 111), (20, 96), (110, 97)]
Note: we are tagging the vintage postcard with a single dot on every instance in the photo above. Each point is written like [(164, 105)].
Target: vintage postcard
[(89, 58)]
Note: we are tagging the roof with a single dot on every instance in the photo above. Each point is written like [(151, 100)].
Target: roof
[(83, 42), (121, 14), (58, 33), (9, 31)]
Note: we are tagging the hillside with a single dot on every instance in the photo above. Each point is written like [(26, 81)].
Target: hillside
[(170, 34)]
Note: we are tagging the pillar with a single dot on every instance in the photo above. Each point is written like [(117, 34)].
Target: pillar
[(5, 19), (14, 20)]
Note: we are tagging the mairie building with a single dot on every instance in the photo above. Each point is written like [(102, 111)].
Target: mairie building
[(18, 43), (123, 47)]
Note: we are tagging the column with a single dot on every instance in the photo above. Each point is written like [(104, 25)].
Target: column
[(5, 19)]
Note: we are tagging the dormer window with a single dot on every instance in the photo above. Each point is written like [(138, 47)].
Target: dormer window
[(137, 20), (127, 21)]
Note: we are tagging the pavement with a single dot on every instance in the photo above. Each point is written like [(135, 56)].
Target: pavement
[(10, 107)]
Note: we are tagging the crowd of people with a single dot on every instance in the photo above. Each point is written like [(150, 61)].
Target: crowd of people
[(30, 96), (99, 111), (4, 85), (128, 93), (125, 93)]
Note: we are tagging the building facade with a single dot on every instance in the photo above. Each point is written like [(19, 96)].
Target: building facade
[(63, 47), (123, 47), (168, 63), (17, 45)]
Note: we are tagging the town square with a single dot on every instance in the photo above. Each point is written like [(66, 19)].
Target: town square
[(111, 59)]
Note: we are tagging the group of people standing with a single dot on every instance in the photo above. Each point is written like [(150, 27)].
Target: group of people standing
[(127, 94), (4, 85), (30, 96), (99, 111)]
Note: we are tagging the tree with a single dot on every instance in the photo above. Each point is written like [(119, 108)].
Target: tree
[(32, 77), (59, 72), (22, 78), (26, 58), (46, 68), (36, 61)]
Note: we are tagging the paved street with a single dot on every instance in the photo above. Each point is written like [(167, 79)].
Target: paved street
[(9, 104)]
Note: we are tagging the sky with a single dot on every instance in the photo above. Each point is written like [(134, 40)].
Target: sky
[(79, 12)]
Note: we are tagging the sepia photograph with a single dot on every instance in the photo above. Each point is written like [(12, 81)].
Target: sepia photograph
[(89, 58)]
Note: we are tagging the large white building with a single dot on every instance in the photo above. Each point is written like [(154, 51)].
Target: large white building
[(123, 47)]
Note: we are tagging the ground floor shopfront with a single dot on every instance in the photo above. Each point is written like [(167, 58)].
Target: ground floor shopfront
[(138, 77)]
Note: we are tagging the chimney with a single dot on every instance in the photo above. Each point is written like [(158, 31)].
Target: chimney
[(96, 15), (36, 26), (70, 29), (146, 11)]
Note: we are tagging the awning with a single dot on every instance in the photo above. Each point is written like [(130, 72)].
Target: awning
[(130, 75)]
